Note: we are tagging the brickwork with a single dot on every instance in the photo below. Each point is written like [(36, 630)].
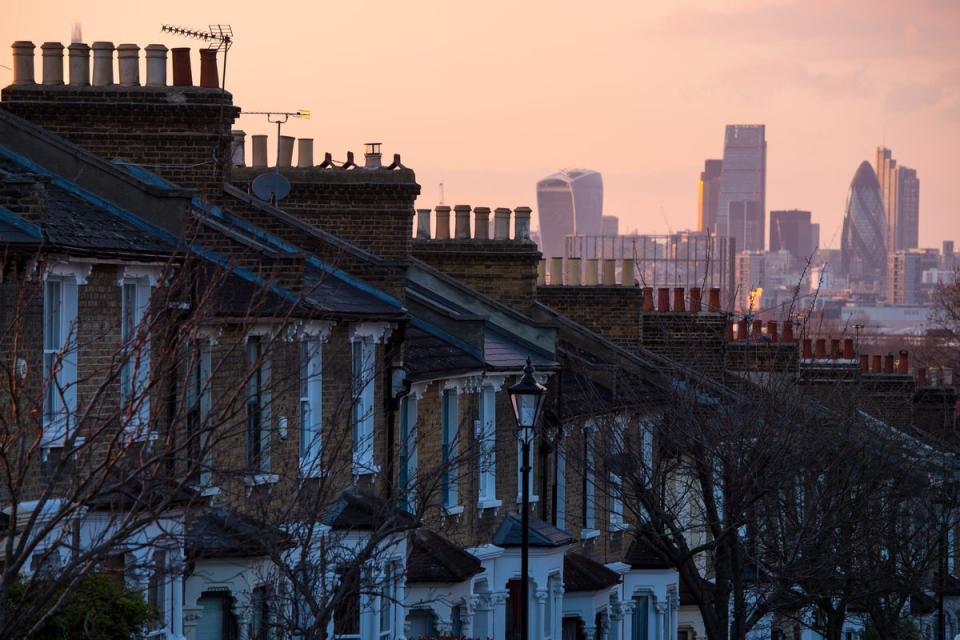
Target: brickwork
[(179, 133), (612, 312), (505, 270), (695, 339)]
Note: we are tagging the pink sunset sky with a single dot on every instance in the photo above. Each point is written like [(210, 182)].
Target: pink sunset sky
[(488, 97)]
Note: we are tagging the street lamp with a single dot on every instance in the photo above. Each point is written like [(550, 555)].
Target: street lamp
[(527, 397)]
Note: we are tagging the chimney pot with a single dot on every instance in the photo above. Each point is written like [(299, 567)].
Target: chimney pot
[(128, 63), (423, 224), (209, 74), (864, 363), (238, 150), (922, 377), (372, 158), (848, 352), (627, 276), (903, 364), (481, 223), (79, 64), (757, 328), (305, 152), (877, 364), (821, 351), (729, 330), (156, 55), (259, 151), (556, 271), (573, 272), (23, 62), (462, 222), (835, 348), (182, 74), (102, 64), (591, 271), (501, 225), (695, 294), (521, 222), (286, 151), (713, 301), (788, 330), (443, 222), (609, 272), (663, 299), (52, 63), (679, 300), (743, 329), (772, 331), (542, 273), (807, 349), (648, 299), (888, 363)]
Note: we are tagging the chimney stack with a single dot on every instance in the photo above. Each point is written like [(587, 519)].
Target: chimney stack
[(772, 331), (501, 224), (821, 352), (591, 271), (481, 220), (209, 74), (864, 363), (848, 349), (305, 152), (695, 300), (238, 150), (80, 64), (443, 222), (807, 349), (372, 156), (23, 62), (423, 224), (156, 55), (903, 364), (573, 272), (182, 74), (679, 300), (286, 151), (52, 63), (556, 271), (259, 151), (648, 299), (609, 272), (128, 62), (461, 227), (627, 275), (103, 64), (713, 304), (663, 299), (521, 221), (888, 363)]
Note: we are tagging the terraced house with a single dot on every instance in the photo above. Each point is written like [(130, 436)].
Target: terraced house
[(291, 418)]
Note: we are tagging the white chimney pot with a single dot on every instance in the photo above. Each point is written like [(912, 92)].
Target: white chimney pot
[(156, 55), (79, 64), (128, 62), (102, 64), (52, 63), (23, 62)]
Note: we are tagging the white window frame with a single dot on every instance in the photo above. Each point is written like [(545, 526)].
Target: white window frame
[(408, 441), (364, 349), (61, 354), (199, 396), (311, 406), (615, 480), (449, 430), (259, 382), (590, 483), (486, 433), (135, 288)]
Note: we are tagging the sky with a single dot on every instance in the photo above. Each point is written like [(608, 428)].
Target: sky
[(488, 97)]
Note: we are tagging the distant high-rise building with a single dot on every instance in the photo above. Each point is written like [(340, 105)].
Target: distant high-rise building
[(863, 244), (708, 195), (742, 202), (610, 225), (905, 271), (750, 272), (569, 202), (901, 201), (792, 231)]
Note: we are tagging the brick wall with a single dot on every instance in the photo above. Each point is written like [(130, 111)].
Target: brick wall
[(612, 312), (179, 133)]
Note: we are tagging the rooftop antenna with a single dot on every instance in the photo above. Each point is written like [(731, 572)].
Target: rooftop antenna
[(220, 37), (273, 186)]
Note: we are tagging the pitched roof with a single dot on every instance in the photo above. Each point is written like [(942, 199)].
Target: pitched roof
[(641, 555), (358, 510), (580, 573), (223, 533), (433, 558), (428, 354), (542, 534)]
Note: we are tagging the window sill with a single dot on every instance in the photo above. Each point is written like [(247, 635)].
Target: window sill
[(589, 534), (310, 470), (455, 510), (533, 499), (254, 479), (360, 469), (206, 490), (617, 527), (489, 504)]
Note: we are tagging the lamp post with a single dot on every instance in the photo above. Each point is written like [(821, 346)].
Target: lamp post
[(527, 397)]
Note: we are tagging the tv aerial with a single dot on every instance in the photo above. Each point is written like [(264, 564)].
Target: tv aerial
[(220, 37), (272, 186)]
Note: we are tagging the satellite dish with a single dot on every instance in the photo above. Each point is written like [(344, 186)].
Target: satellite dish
[(271, 186)]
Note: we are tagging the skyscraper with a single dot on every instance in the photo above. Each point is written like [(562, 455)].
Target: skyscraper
[(742, 202), (863, 244), (708, 194), (792, 231), (901, 201), (569, 202)]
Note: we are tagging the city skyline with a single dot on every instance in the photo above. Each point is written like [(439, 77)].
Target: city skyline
[(489, 121)]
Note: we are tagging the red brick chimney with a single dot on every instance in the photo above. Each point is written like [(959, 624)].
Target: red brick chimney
[(713, 303), (848, 349), (648, 299), (864, 363), (903, 364), (772, 331), (877, 364), (807, 349), (888, 363), (679, 302), (663, 299), (788, 331), (695, 300), (835, 348), (821, 353)]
